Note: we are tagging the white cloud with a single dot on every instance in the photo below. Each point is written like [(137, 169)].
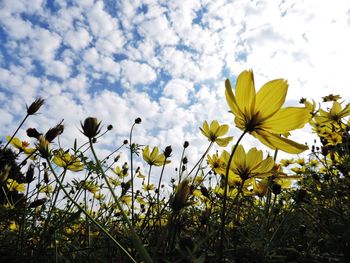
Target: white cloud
[(179, 90), (77, 39), (137, 73)]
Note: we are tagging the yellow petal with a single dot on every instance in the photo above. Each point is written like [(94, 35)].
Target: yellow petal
[(223, 129), (223, 142), (271, 97), (286, 119), (231, 100), (275, 141), (245, 92)]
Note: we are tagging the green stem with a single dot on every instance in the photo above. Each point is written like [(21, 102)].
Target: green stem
[(223, 213), (87, 214), (25, 118), (137, 241), (132, 175), (160, 180)]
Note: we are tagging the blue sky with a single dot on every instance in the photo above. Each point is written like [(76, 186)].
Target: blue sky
[(165, 61)]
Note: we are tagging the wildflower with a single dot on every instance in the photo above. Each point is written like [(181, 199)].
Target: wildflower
[(261, 114), (21, 145), (13, 226), (148, 187), (13, 185), (286, 162), (154, 158), (335, 114), (251, 164), (66, 160), (35, 106), (215, 131), (217, 163), (91, 127)]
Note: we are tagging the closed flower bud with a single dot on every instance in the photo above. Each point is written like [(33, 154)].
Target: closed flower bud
[(54, 132), (43, 147), (5, 173), (91, 127), (186, 144), (30, 174), (138, 120), (35, 106), (276, 188), (168, 150), (33, 133), (37, 203), (110, 127), (125, 142), (182, 192)]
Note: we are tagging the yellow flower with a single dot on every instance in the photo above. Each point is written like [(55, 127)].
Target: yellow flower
[(13, 226), (335, 114), (13, 185), (251, 164), (66, 160), (154, 158), (22, 146), (261, 114), (215, 131), (216, 163)]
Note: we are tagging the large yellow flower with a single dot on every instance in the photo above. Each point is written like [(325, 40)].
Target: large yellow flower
[(261, 114)]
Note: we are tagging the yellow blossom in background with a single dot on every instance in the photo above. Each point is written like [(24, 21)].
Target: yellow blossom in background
[(251, 164), (154, 157), (333, 138), (148, 187), (121, 172), (13, 226), (69, 161), (217, 163), (286, 162), (47, 189), (335, 115), (261, 114), (13, 185), (90, 186), (214, 131), (99, 196)]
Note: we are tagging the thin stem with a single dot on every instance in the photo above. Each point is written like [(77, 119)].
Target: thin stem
[(200, 161), (223, 213), (160, 180), (25, 118), (87, 214), (137, 241), (132, 175)]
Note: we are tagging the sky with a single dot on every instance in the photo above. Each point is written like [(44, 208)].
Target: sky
[(163, 61)]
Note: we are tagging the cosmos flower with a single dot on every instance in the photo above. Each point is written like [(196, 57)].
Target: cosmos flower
[(261, 114)]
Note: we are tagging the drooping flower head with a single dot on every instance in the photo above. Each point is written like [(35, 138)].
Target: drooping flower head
[(215, 131), (261, 114)]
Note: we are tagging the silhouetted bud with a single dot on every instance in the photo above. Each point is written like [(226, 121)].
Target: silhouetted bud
[(30, 174), (186, 144), (33, 133), (37, 203), (204, 191), (276, 188), (182, 192), (168, 150), (185, 160), (43, 147), (54, 132), (35, 106), (91, 127), (138, 120), (110, 127), (125, 142)]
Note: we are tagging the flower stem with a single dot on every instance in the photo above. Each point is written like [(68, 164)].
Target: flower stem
[(14, 134), (87, 214), (137, 241), (223, 213)]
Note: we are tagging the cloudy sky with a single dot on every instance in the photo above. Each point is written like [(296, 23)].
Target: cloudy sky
[(163, 61)]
